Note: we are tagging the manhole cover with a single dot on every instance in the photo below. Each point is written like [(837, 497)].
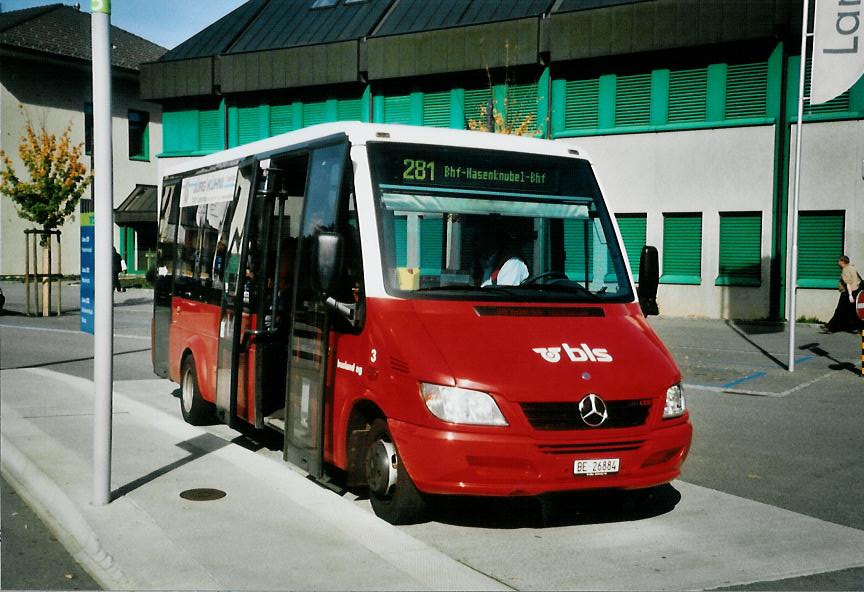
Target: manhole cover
[(202, 494)]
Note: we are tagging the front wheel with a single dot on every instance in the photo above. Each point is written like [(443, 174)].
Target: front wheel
[(195, 409), (394, 497)]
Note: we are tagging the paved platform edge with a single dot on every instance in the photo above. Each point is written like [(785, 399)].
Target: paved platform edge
[(69, 524), (61, 516)]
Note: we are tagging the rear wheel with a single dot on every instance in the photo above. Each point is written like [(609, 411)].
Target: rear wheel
[(195, 409), (391, 490)]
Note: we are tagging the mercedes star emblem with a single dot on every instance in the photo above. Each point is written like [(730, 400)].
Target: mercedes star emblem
[(593, 410)]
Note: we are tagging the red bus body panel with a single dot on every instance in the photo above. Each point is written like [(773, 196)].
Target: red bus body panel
[(448, 342)]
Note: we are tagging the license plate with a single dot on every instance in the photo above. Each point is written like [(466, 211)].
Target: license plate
[(596, 466)]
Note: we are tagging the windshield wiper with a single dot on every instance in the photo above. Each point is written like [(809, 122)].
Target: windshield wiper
[(571, 288), (469, 288)]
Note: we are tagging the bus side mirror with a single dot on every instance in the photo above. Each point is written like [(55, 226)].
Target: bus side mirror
[(649, 278), (327, 256)]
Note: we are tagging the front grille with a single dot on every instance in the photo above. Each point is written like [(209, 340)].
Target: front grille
[(565, 416), (591, 447)]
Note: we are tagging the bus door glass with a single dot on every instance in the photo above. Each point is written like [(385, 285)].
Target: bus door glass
[(163, 280), (234, 318), (304, 433)]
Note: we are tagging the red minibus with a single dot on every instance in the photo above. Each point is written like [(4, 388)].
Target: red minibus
[(424, 311)]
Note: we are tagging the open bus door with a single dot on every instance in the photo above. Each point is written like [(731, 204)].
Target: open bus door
[(254, 326), (234, 316), (274, 324), (310, 330)]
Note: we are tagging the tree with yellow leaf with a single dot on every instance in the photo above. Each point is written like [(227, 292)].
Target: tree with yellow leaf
[(57, 178)]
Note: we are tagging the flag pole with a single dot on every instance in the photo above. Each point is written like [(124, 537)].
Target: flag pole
[(792, 279)]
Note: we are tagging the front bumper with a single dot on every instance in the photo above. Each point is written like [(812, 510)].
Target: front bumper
[(490, 462)]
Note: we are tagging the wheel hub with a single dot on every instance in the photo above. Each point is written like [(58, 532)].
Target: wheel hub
[(382, 467)]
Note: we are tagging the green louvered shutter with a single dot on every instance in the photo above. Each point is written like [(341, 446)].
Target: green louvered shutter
[(349, 110), (688, 93), (577, 256), (211, 132), (839, 104), (431, 245), (281, 119), (400, 236), (522, 107), (436, 109), (583, 104), (633, 100), (820, 244), (682, 249), (397, 109), (248, 124), (747, 90), (178, 131), (633, 229), (314, 113), (476, 101), (740, 249)]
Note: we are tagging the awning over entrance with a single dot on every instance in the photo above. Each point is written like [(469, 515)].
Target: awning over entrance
[(139, 207)]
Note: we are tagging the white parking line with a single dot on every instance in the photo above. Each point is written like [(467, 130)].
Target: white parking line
[(3, 326), (734, 391)]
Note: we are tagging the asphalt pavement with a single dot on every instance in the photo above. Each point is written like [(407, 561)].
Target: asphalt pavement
[(770, 496), (33, 558)]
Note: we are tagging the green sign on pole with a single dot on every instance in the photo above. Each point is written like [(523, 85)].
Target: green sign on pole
[(100, 6)]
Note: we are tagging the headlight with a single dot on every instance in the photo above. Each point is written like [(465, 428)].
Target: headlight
[(458, 405), (674, 402)]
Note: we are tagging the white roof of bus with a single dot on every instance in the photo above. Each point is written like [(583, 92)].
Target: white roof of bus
[(360, 133)]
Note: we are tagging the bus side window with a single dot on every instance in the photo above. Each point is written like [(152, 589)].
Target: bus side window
[(167, 234), (187, 252)]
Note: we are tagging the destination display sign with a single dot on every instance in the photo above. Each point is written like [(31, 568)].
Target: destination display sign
[(424, 166)]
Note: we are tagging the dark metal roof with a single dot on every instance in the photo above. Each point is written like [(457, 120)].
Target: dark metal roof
[(65, 31), (412, 16), (574, 5), (139, 206), (294, 23), (659, 25), (218, 37)]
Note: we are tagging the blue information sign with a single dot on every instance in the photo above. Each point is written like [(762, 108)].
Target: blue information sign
[(87, 269)]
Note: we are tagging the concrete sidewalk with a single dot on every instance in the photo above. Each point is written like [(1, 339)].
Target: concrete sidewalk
[(275, 529)]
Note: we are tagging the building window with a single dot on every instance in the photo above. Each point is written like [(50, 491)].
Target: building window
[(740, 249), (88, 129), (682, 249), (139, 141), (633, 229), (324, 3), (820, 244)]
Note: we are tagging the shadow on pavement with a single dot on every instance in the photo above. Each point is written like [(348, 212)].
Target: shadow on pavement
[(814, 349), (744, 330), (556, 509), (196, 447), (72, 360)]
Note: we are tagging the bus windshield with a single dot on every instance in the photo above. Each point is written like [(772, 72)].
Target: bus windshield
[(481, 224)]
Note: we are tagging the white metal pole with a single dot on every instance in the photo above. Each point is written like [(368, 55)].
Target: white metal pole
[(792, 278), (103, 207)]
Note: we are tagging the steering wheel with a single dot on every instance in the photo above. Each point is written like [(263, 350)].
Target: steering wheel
[(552, 274)]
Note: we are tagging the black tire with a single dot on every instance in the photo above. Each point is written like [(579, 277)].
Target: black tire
[(402, 503), (195, 409)]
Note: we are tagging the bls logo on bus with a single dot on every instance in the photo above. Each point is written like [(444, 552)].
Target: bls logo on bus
[(583, 353)]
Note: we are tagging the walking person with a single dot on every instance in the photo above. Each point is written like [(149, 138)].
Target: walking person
[(116, 268), (845, 318)]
